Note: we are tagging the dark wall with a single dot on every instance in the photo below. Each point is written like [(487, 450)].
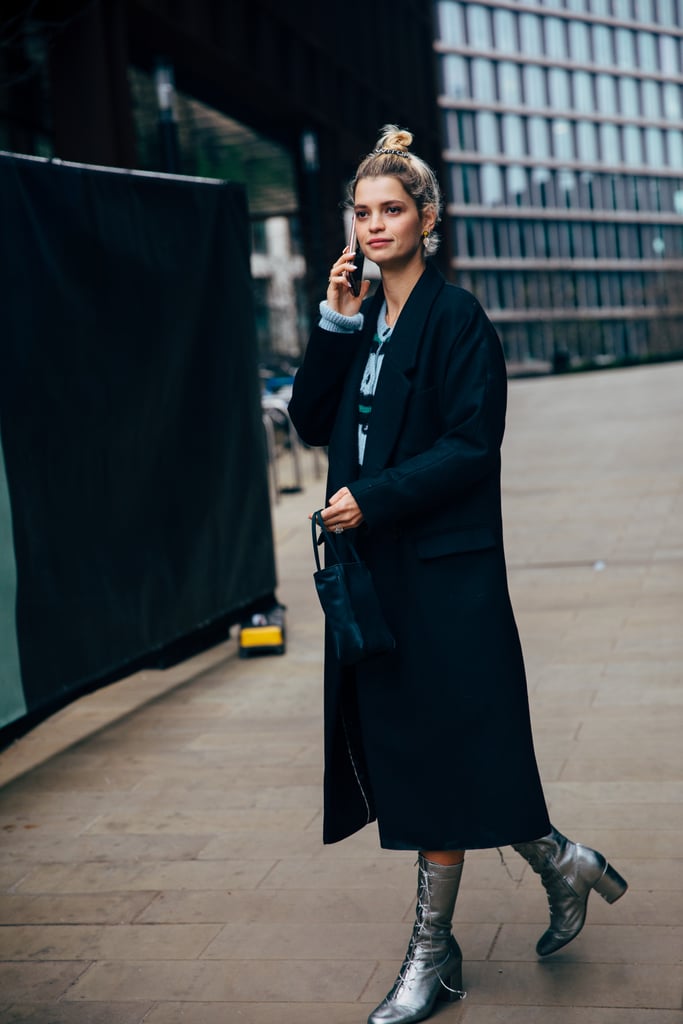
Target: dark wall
[(130, 423)]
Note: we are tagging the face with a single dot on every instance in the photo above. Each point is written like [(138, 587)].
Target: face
[(388, 224)]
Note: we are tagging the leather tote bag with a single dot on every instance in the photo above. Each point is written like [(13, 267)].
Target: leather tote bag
[(349, 601)]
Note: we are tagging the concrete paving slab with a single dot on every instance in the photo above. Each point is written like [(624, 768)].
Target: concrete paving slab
[(230, 981), (72, 908), (161, 858), (260, 1013), (565, 1015), (73, 1013)]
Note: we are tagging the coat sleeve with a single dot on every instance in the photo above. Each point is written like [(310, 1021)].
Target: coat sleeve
[(319, 383), (471, 387)]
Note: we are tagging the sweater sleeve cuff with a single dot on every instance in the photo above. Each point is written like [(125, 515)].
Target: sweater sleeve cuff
[(337, 323)]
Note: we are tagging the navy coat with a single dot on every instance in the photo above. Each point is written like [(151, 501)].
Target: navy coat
[(434, 739)]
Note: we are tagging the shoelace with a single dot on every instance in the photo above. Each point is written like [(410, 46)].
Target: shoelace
[(422, 911)]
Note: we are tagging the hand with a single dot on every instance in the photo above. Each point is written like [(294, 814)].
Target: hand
[(342, 512), (339, 294)]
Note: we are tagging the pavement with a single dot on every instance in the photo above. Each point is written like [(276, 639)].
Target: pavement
[(161, 855)]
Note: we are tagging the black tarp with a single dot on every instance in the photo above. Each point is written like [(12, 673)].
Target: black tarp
[(129, 417)]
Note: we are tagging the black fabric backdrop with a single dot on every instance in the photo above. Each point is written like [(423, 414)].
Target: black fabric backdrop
[(130, 417)]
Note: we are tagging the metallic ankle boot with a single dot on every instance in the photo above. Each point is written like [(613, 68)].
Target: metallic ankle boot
[(568, 872), (432, 968)]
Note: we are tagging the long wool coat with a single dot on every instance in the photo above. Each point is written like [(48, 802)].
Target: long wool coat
[(434, 739)]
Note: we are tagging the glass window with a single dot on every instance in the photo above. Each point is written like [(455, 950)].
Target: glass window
[(645, 10), (539, 141), (466, 129), (579, 41), (649, 92), (599, 6), (558, 86), (478, 27), (668, 55), (487, 132), (665, 12), (633, 153), (516, 181), (654, 147), (483, 83), (504, 31), (509, 84), (563, 144), (453, 140), (491, 184), (534, 86), (455, 81), (609, 143), (602, 44), (555, 43), (530, 33), (513, 135), (622, 9), (587, 141), (450, 22), (674, 144), (647, 51), (576, 5), (626, 51), (672, 101), (583, 91), (628, 97), (607, 94), (566, 182)]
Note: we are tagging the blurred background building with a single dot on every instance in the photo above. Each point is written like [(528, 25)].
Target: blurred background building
[(285, 98), (556, 127), (562, 124)]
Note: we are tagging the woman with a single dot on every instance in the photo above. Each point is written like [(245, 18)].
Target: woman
[(408, 391)]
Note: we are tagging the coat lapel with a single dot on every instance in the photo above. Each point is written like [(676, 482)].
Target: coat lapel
[(395, 378)]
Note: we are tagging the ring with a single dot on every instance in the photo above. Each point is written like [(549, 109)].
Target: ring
[(339, 529)]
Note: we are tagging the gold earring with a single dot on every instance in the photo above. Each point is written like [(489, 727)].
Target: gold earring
[(425, 236)]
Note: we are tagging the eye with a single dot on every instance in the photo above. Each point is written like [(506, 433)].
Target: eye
[(360, 214), (394, 209)]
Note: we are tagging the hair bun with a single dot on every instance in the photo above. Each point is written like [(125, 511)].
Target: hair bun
[(393, 137)]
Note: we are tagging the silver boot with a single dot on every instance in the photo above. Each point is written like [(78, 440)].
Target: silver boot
[(568, 872), (432, 968)]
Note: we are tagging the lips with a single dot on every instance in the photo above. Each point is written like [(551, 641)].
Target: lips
[(377, 242)]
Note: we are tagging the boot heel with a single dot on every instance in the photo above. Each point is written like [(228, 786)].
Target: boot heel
[(451, 988), (611, 886)]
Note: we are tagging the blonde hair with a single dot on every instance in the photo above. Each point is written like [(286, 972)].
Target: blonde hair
[(391, 158)]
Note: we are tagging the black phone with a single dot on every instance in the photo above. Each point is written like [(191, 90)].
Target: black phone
[(355, 277)]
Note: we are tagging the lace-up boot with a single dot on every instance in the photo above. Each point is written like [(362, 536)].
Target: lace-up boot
[(432, 969), (568, 872)]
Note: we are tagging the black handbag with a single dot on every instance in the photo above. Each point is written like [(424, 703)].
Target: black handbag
[(349, 601)]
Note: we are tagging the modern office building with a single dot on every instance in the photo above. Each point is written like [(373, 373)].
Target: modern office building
[(563, 137)]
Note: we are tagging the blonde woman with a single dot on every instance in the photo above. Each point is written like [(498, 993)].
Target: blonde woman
[(407, 389)]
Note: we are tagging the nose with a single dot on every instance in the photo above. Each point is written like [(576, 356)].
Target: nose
[(376, 221)]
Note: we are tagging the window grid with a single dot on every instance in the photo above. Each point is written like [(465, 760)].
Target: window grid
[(563, 127)]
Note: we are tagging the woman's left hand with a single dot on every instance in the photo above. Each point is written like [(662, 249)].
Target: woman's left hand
[(343, 512)]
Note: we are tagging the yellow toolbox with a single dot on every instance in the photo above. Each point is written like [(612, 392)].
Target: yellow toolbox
[(263, 633)]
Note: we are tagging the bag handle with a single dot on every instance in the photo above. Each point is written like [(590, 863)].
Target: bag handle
[(317, 520)]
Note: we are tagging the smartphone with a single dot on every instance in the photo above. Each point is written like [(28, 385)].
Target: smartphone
[(355, 276)]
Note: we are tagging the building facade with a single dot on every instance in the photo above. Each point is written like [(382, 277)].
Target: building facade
[(563, 137)]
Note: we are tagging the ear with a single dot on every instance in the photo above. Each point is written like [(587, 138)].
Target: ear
[(429, 218)]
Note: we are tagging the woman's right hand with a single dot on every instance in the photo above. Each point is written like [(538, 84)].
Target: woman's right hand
[(339, 295)]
